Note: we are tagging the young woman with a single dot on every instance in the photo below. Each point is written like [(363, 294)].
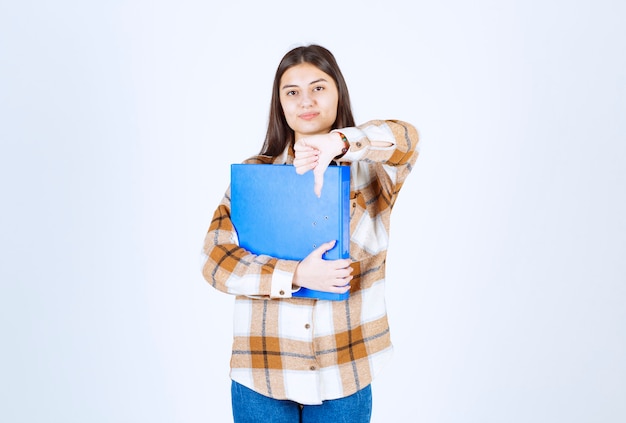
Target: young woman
[(297, 359)]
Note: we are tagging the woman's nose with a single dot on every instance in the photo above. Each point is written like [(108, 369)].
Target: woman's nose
[(306, 100)]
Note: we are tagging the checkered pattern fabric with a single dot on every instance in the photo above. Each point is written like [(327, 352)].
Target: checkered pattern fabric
[(313, 350)]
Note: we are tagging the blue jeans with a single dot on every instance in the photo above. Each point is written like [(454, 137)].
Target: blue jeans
[(251, 407)]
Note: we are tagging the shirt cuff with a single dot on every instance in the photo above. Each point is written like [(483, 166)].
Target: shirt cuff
[(282, 278), (358, 143)]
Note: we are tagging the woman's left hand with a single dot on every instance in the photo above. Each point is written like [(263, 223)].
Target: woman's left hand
[(315, 153)]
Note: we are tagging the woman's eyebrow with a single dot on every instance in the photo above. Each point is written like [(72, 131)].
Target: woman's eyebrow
[(310, 83)]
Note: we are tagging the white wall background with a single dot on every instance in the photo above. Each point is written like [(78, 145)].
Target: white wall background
[(507, 273)]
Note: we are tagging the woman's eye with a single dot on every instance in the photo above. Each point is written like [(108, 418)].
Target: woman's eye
[(319, 88), (291, 93)]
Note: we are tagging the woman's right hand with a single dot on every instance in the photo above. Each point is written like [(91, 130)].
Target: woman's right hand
[(314, 272), (315, 152)]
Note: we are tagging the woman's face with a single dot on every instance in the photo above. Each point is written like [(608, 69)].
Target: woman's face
[(309, 100)]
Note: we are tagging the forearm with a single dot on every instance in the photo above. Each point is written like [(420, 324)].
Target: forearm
[(389, 142), (234, 270)]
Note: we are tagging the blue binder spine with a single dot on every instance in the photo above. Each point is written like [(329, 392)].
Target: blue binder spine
[(339, 196)]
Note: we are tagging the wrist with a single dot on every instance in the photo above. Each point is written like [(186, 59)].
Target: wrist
[(345, 146)]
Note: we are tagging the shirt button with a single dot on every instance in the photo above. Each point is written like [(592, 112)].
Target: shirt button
[(358, 144), (307, 326), (282, 292)]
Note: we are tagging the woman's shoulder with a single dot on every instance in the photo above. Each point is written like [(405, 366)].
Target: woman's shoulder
[(259, 159)]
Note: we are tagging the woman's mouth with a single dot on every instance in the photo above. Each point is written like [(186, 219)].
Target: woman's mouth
[(308, 116)]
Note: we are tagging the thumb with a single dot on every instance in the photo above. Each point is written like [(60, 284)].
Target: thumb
[(318, 174), (317, 188), (322, 249)]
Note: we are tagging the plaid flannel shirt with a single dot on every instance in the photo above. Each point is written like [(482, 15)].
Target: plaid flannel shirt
[(309, 350)]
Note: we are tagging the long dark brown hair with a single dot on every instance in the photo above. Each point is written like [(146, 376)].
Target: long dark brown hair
[(279, 134)]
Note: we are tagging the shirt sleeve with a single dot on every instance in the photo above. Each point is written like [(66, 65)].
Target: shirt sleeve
[(234, 270), (387, 147)]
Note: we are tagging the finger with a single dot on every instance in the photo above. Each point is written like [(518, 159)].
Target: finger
[(301, 145), (338, 288), (299, 148), (340, 283), (303, 168), (341, 289), (319, 178), (306, 158), (307, 155), (343, 274)]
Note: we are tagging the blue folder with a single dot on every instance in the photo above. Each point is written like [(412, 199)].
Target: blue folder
[(275, 212)]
